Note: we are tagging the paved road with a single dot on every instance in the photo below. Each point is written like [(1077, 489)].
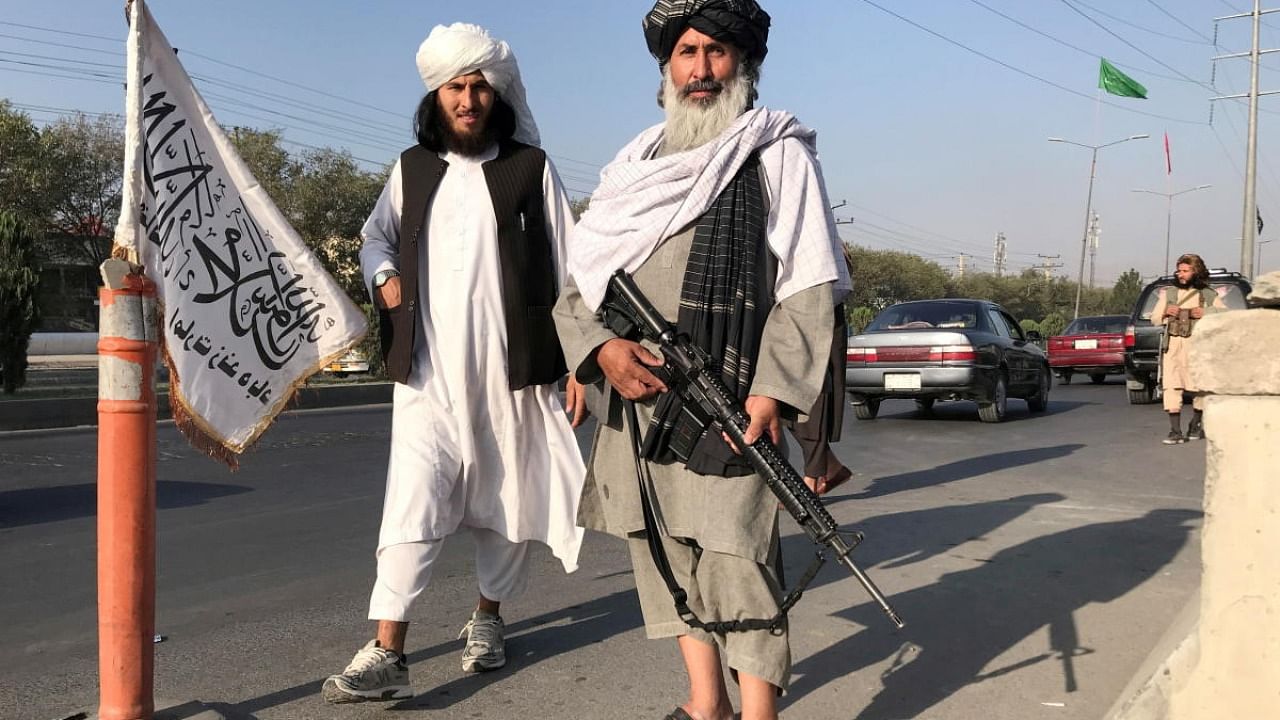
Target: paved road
[(1036, 563)]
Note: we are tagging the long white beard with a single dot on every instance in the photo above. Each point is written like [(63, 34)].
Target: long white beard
[(691, 123)]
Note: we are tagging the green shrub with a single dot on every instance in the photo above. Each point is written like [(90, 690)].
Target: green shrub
[(19, 283)]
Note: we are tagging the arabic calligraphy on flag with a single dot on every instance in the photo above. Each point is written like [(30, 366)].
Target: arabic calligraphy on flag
[(249, 313)]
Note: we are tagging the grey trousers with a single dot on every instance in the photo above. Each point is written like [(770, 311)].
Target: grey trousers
[(720, 587)]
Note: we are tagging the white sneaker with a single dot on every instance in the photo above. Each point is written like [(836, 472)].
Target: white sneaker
[(486, 649), (375, 673)]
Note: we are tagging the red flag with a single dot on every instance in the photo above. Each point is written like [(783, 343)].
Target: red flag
[(1168, 163)]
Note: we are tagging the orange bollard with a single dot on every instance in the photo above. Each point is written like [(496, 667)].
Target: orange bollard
[(126, 494)]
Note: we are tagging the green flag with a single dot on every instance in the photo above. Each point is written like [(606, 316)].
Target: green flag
[(1117, 83)]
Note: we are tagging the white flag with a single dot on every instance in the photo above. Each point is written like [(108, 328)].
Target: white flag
[(248, 311)]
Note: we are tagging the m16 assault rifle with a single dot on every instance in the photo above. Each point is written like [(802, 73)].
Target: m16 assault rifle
[(691, 373)]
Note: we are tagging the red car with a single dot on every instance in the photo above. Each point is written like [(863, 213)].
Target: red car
[(1093, 346)]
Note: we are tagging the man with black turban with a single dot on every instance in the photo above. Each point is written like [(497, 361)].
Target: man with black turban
[(721, 217)]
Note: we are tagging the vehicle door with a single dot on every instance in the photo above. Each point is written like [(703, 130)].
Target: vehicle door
[(1028, 355), (1009, 353)]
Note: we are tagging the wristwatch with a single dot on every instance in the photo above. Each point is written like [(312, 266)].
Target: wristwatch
[(382, 276)]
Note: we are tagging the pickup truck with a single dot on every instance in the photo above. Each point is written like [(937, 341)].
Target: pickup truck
[(1143, 339)]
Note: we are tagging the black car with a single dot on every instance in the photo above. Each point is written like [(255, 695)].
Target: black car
[(1142, 338), (952, 349)]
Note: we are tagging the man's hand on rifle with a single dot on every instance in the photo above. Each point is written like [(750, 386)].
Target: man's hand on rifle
[(763, 412), (626, 364)]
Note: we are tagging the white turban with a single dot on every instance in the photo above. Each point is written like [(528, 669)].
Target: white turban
[(463, 48)]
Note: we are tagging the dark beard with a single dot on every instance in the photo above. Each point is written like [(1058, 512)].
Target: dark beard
[(469, 145)]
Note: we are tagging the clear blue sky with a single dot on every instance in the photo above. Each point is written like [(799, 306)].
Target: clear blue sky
[(935, 148)]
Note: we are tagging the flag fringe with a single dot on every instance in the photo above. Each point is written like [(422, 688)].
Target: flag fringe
[(200, 435)]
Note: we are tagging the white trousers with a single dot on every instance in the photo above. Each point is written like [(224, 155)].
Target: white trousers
[(404, 569)]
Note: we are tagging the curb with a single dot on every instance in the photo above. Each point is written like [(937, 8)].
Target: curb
[(50, 413)]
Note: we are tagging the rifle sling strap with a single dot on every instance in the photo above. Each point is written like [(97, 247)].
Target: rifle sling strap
[(653, 535)]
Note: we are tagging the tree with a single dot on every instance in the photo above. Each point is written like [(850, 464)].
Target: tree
[(22, 177), (331, 199), (884, 277), (1125, 293), (19, 282), (579, 206), (267, 160), (85, 164), (1053, 324), (859, 318)]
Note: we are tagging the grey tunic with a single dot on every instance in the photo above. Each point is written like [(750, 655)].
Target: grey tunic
[(735, 516)]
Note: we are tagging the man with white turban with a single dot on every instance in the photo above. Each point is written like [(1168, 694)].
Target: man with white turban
[(464, 257), (721, 217)]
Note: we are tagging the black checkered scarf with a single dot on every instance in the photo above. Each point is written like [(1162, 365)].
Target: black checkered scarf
[(724, 302), (743, 23)]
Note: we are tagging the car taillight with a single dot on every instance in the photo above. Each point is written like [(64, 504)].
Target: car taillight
[(1130, 339), (863, 355), (945, 353), (1055, 342)]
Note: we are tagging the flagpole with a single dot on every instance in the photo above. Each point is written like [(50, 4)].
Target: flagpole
[(1168, 189)]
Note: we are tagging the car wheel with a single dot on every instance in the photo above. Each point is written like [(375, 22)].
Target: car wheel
[(994, 411), (1141, 397), (1098, 379), (1040, 401), (925, 405), (867, 410), (339, 374)]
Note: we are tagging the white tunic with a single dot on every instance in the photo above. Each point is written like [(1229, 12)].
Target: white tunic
[(466, 450)]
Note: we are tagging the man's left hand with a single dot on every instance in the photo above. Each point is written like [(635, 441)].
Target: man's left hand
[(1197, 313), (575, 401), (763, 412)]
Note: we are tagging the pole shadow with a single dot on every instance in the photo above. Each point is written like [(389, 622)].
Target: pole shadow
[(33, 506), (529, 642), (962, 623)]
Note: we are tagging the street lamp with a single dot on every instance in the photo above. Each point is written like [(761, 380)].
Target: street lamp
[(1088, 203), (1168, 220)]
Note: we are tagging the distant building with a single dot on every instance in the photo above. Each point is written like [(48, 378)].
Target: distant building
[(69, 281)]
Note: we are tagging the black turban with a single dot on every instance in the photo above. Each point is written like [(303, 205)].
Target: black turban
[(742, 23)]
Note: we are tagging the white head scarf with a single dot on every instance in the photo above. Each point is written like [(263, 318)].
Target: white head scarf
[(462, 48)]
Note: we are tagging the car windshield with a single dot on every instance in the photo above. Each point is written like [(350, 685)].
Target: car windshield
[(927, 316), (1230, 293), (1113, 324)]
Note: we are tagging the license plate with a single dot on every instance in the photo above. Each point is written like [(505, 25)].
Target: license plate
[(902, 381), (1091, 344)]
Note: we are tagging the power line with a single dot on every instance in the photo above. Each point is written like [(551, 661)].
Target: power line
[(1136, 26), (1178, 20), (273, 97), (1077, 48), (1020, 71), (1144, 53)]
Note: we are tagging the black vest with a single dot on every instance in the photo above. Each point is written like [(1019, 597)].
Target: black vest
[(534, 356)]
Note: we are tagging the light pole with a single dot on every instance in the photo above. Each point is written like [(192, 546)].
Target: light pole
[(1168, 219), (1088, 203)]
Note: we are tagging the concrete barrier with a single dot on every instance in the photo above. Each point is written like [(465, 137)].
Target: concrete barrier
[(1221, 659), (63, 343)]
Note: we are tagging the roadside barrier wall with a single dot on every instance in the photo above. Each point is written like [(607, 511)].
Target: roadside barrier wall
[(1221, 659)]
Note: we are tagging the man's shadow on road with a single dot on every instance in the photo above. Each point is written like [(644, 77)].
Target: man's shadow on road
[(953, 471), (32, 506), (959, 625)]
